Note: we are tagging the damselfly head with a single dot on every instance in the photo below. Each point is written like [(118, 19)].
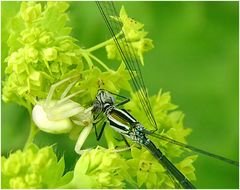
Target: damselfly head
[(103, 100)]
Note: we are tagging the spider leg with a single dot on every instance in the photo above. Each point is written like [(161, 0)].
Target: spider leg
[(54, 86), (68, 89), (81, 139), (69, 96)]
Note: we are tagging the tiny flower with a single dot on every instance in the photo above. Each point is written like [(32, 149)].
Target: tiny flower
[(186, 167), (33, 179), (16, 62), (35, 79), (30, 12), (66, 45), (44, 158), (31, 55), (145, 45), (12, 165), (55, 68), (17, 183), (50, 54), (134, 34), (16, 57), (147, 168), (46, 38), (112, 51), (30, 36), (62, 6), (132, 29)]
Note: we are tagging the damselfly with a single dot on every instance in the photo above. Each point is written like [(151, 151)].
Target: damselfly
[(121, 120)]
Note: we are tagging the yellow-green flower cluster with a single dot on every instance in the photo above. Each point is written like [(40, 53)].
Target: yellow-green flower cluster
[(135, 35), (100, 168), (41, 51), (33, 168), (170, 124)]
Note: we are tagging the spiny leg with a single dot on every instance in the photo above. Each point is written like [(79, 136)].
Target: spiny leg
[(81, 139), (122, 102), (68, 89), (125, 140), (70, 96), (53, 88), (122, 149), (128, 147)]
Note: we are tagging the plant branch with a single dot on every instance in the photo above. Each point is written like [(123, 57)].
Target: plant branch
[(98, 46)]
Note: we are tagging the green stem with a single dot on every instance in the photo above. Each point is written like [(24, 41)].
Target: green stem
[(102, 44), (99, 61), (33, 132), (86, 56), (33, 128)]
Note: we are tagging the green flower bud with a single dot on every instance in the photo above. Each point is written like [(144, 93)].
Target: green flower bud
[(12, 165), (112, 51), (145, 45), (16, 62), (66, 45), (55, 68), (62, 6), (17, 183), (30, 36), (46, 38), (50, 54), (42, 158), (31, 55), (29, 155), (30, 11), (33, 180), (35, 80)]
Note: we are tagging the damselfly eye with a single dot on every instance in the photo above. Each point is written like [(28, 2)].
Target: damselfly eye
[(97, 107), (112, 99)]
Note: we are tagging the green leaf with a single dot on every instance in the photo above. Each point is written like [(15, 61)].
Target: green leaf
[(65, 179)]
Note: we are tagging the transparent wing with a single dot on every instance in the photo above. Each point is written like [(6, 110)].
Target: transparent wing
[(197, 150), (132, 63), (128, 55)]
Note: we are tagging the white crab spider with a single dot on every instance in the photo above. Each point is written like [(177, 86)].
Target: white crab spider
[(58, 116)]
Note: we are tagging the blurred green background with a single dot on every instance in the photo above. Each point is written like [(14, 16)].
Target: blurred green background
[(195, 58)]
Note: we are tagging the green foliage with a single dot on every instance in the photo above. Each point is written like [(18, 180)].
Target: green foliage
[(33, 168), (41, 53), (100, 168)]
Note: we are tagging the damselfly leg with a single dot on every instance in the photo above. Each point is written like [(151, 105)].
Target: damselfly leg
[(98, 136)]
